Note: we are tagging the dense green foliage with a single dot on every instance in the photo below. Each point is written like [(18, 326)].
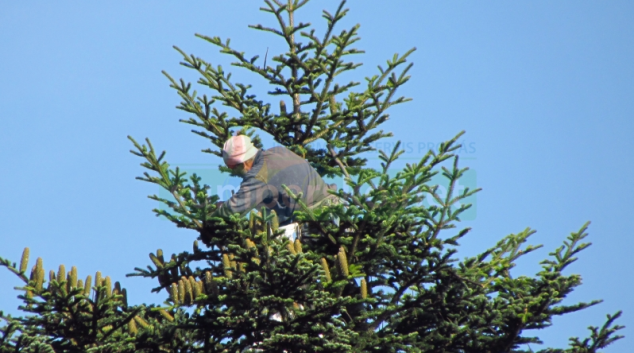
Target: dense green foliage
[(385, 279)]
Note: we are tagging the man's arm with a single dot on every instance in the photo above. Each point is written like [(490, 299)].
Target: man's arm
[(251, 194)]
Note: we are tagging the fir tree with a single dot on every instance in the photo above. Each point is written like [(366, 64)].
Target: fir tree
[(384, 279)]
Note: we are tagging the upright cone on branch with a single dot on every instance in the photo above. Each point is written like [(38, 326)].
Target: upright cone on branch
[(39, 274), (189, 295), (342, 262), (72, 278), (324, 265), (255, 223), (195, 247), (51, 277), (88, 285), (194, 286), (124, 300), (181, 292), (210, 284), (226, 264), (117, 288), (283, 111), (364, 289), (98, 279), (291, 248), (234, 264), (132, 327), (108, 285), (275, 221), (251, 245), (61, 274), (174, 293), (201, 287), (141, 322), (24, 261), (166, 315), (298, 246)]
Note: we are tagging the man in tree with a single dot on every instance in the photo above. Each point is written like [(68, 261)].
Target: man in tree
[(386, 280), (264, 172)]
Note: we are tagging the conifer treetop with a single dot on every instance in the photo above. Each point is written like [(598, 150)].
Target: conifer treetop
[(315, 104)]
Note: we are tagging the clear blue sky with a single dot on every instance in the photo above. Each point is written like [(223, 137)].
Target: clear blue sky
[(544, 90)]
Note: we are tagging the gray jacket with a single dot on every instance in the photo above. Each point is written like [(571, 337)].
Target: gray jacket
[(262, 185)]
